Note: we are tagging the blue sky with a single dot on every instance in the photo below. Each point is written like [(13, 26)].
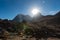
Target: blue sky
[(10, 8)]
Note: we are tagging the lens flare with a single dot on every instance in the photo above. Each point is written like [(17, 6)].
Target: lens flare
[(35, 11)]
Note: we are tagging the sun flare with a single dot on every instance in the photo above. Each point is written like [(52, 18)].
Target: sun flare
[(35, 11)]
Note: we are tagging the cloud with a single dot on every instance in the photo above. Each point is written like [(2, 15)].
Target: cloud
[(53, 12)]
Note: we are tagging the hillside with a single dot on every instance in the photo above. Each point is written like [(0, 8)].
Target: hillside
[(43, 27)]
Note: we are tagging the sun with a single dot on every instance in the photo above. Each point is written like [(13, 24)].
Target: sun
[(35, 11)]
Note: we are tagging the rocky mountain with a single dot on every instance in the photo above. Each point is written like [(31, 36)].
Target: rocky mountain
[(27, 18), (37, 17), (50, 18), (21, 17)]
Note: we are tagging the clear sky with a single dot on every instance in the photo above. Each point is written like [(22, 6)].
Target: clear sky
[(10, 8)]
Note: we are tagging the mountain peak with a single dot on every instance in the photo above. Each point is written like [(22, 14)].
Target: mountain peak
[(21, 17)]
